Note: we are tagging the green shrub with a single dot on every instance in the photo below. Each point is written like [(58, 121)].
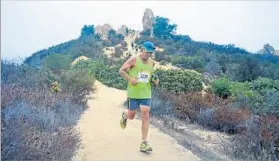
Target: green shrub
[(77, 82), (189, 62), (259, 95), (262, 85), (221, 87), (179, 81), (105, 73), (177, 59), (240, 88), (57, 62), (270, 103)]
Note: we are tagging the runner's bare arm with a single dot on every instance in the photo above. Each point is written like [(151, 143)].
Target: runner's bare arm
[(127, 65), (156, 82)]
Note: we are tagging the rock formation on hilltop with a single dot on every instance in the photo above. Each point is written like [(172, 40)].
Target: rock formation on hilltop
[(267, 49), (148, 21), (123, 30), (103, 30)]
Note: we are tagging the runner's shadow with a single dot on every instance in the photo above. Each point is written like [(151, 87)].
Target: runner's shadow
[(146, 153)]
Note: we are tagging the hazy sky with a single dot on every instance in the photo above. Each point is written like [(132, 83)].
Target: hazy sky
[(29, 26)]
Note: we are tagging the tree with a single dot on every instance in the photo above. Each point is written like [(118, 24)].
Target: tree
[(248, 68), (271, 71), (87, 30), (112, 34), (126, 31), (223, 60), (98, 37), (145, 33), (120, 36), (213, 67), (162, 29), (234, 72), (183, 38)]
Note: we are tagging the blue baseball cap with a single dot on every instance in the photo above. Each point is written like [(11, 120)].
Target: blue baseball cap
[(149, 46)]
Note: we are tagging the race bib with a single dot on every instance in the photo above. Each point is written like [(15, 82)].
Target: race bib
[(143, 77)]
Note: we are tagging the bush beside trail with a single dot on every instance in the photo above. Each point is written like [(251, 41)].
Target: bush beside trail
[(39, 110)]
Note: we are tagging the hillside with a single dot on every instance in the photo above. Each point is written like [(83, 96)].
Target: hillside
[(223, 88), (87, 46), (212, 60)]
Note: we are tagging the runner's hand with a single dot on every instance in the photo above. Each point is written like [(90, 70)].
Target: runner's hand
[(155, 79), (156, 82), (133, 81)]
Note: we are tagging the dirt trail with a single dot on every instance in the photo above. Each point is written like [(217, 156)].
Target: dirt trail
[(103, 139)]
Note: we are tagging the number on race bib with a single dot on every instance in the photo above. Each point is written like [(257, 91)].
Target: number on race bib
[(143, 77)]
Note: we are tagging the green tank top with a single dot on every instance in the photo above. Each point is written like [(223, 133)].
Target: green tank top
[(143, 73)]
